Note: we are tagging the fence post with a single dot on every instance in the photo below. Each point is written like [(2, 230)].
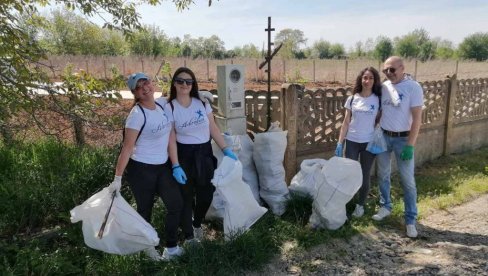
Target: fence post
[(415, 72), (142, 65), (452, 89), (184, 63), (86, 66), (284, 70), (313, 70), (457, 66), (289, 93), (123, 66), (257, 70), (345, 71), (208, 70)]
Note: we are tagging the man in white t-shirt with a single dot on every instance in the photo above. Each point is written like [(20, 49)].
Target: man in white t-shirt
[(402, 101)]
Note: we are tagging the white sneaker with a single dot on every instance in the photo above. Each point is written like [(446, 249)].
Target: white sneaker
[(198, 233), (358, 212), (153, 254), (171, 253), (382, 213), (411, 231)]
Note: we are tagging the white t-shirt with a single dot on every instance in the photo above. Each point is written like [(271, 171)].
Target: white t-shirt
[(364, 111), (399, 118), (152, 145), (191, 123)]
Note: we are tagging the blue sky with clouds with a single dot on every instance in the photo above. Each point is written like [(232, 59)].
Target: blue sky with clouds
[(239, 22)]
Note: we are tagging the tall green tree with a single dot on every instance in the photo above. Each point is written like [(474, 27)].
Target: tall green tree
[(474, 46), (21, 67), (383, 48), (320, 49), (292, 40), (445, 49)]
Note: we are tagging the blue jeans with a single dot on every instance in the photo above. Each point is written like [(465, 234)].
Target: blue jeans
[(406, 170)]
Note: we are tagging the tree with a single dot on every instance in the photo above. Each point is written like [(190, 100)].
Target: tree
[(416, 44), (292, 40), (474, 46), (320, 49), (337, 50), (383, 48), (445, 49), (21, 56)]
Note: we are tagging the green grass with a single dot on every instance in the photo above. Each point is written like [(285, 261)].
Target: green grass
[(41, 182)]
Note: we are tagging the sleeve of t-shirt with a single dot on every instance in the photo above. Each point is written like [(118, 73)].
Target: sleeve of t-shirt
[(162, 101), (348, 103), (417, 98), (208, 108), (135, 120)]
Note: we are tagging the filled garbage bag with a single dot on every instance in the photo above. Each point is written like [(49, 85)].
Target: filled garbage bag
[(310, 176), (268, 155), (241, 210), (242, 146), (125, 231), (343, 178)]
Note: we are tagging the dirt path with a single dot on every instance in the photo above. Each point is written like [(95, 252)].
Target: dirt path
[(453, 242)]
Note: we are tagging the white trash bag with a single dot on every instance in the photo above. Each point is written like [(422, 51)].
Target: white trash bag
[(125, 232), (269, 152), (241, 210), (343, 178), (310, 176)]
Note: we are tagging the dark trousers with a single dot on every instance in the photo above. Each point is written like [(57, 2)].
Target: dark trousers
[(358, 150), (146, 181), (199, 164)]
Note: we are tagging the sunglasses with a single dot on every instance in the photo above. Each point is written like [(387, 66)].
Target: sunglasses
[(182, 81), (390, 70)]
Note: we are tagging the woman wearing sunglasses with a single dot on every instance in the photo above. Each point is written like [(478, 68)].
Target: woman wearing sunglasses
[(144, 162), (362, 113), (193, 162)]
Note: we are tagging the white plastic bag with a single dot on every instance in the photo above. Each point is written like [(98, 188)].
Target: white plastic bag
[(343, 178), (242, 146), (268, 155), (310, 176), (126, 232), (241, 210), (378, 144)]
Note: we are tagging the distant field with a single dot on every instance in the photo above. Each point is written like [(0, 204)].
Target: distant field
[(328, 71)]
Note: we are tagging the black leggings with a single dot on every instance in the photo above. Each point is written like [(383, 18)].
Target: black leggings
[(366, 158), (198, 162), (146, 181)]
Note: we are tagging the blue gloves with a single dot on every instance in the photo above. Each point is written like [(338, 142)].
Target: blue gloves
[(338, 151), (179, 174), (229, 153)]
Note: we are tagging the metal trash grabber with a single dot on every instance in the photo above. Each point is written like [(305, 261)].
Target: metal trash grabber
[(102, 228)]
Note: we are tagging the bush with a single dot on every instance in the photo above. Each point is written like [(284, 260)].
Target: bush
[(40, 182)]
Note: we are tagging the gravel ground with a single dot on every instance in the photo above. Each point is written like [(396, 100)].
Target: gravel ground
[(452, 242)]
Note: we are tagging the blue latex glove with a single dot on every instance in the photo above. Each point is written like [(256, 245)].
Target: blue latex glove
[(229, 153), (339, 150), (179, 174)]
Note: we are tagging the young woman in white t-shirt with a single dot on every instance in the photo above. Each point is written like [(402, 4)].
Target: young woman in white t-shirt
[(144, 162), (193, 162), (362, 113)]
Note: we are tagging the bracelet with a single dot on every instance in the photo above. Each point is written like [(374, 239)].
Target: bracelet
[(175, 166)]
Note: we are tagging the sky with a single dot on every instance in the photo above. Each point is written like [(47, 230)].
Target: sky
[(240, 22)]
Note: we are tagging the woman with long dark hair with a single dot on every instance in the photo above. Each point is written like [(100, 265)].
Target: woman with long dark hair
[(362, 113), (193, 162)]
